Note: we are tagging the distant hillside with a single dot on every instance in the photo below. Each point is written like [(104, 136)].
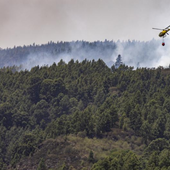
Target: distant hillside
[(47, 54), (134, 53)]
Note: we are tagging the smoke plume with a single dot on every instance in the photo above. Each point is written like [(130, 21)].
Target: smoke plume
[(133, 53)]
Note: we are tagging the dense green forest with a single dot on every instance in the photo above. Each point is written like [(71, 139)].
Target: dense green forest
[(85, 115)]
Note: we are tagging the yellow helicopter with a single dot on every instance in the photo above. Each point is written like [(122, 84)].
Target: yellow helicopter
[(163, 33)]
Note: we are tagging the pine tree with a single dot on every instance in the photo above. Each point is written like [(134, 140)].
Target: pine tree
[(41, 165), (118, 61), (91, 158)]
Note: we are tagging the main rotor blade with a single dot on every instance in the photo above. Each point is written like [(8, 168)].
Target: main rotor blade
[(167, 27), (157, 29)]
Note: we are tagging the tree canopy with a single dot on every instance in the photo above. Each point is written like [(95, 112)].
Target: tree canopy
[(89, 99)]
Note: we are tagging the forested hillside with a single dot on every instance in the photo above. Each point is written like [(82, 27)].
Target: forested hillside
[(84, 115)]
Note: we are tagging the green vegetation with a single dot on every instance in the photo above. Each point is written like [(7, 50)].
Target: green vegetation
[(84, 114)]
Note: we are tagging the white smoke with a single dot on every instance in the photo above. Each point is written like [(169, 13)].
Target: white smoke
[(164, 53), (43, 59), (134, 53), (144, 54)]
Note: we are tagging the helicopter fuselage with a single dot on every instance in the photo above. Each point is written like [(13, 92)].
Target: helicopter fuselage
[(163, 33)]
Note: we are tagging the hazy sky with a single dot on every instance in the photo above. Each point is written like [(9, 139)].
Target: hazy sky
[(24, 22)]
